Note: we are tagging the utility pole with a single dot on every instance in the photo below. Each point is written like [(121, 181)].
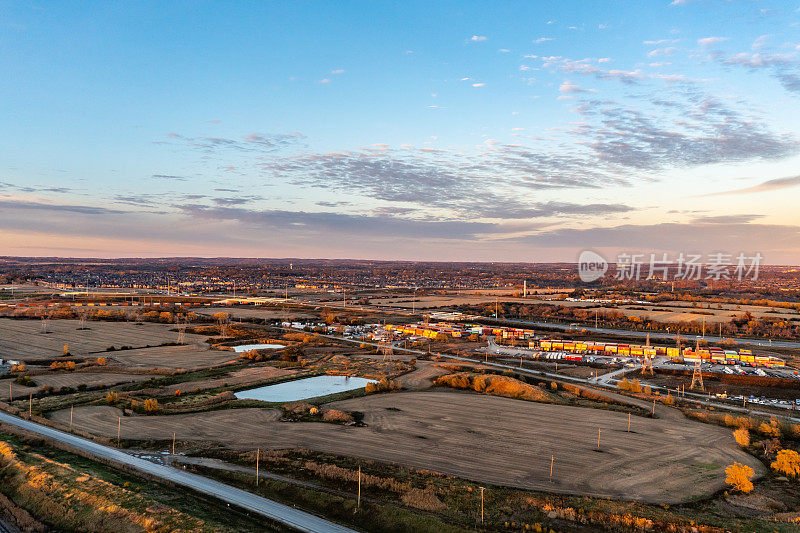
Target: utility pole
[(359, 486), (629, 422), (173, 443), (30, 406), (71, 408), (119, 429), (482, 489), (598, 438), (258, 454), (552, 459)]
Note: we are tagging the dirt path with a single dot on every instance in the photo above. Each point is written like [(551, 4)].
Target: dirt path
[(483, 438), (422, 378)]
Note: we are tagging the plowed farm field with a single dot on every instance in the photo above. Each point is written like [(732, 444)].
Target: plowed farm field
[(26, 340), (483, 438)]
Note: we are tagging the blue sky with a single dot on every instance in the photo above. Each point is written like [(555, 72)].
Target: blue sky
[(513, 131)]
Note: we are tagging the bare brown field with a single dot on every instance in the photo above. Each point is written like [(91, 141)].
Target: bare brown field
[(172, 357), (482, 438), (68, 379), (24, 340)]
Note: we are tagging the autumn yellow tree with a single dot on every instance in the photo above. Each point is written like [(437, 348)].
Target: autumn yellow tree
[(787, 463), (151, 405), (112, 397), (770, 430), (742, 437), (738, 475)]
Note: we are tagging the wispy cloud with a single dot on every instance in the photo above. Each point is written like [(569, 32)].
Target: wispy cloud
[(776, 184), (168, 177), (711, 41), (477, 38)]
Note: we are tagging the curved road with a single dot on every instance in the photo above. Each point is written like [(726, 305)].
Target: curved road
[(279, 512)]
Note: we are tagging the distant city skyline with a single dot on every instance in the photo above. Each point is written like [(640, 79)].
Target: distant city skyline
[(510, 131)]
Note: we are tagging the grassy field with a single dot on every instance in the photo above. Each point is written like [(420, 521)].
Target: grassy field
[(71, 493), (483, 438)]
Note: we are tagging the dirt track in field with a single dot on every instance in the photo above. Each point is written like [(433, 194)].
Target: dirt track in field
[(24, 340), (422, 378), (483, 438)]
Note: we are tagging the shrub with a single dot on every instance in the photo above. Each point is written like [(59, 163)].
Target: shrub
[(335, 415), (624, 384), (25, 381), (65, 350), (67, 365), (742, 437), (738, 475), (636, 386), (647, 390), (770, 430), (384, 385), (151, 405), (102, 361), (491, 384), (787, 463), (112, 397), (423, 499)]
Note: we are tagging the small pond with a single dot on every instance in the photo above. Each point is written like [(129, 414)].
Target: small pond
[(248, 347), (301, 389)]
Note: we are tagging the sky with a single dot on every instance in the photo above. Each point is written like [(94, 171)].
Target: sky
[(452, 131)]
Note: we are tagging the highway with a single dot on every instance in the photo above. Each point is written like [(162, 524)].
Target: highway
[(279, 512)]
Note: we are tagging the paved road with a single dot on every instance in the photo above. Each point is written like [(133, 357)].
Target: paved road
[(284, 514)]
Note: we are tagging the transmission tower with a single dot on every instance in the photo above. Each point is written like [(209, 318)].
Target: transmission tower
[(647, 359), (647, 364), (82, 323), (181, 330), (45, 324), (386, 345), (223, 322), (697, 375)]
